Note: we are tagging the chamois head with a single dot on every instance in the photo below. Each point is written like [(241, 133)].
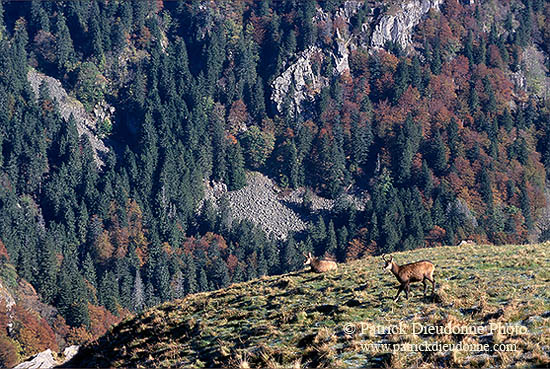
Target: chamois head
[(318, 265), (387, 262), (309, 258)]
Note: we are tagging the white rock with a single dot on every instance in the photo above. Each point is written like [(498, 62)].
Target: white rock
[(301, 76), (85, 122), (42, 360), (398, 27), (70, 352)]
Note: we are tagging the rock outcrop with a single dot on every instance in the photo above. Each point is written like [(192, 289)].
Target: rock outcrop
[(397, 25), (299, 83), (85, 122), (43, 359), (48, 359)]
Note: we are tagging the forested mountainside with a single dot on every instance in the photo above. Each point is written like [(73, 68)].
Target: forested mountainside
[(114, 116)]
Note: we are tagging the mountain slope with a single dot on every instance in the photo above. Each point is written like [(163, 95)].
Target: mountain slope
[(300, 318)]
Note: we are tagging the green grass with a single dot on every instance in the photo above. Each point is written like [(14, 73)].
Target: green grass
[(297, 319)]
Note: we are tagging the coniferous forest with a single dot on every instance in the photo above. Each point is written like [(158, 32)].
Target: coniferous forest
[(447, 139)]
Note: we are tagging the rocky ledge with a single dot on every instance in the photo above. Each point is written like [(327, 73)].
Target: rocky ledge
[(85, 122), (397, 25)]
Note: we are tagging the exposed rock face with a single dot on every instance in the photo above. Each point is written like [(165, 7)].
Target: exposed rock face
[(302, 79), (8, 301), (534, 72), (5, 297), (341, 54), (397, 27), (48, 359), (70, 352), (85, 122), (44, 359)]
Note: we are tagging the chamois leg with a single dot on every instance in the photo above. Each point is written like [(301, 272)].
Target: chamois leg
[(398, 292), (407, 290), (425, 284), (432, 279)]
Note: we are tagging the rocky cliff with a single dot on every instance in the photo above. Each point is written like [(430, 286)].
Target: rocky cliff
[(49, 359), (396, 26), (298, 85), (86, 123)]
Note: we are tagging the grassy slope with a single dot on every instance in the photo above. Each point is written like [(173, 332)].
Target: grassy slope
[(297, 319)]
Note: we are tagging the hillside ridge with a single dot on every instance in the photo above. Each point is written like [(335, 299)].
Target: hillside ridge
[(302, 318)]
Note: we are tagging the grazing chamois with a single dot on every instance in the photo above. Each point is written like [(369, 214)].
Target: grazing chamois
[(410, 273), (318, 265)]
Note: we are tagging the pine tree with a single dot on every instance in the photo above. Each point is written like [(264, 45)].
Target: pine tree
[(307, 27), (88, 268), (426, 179), (525, 203), (332, 244), (138, 295), (294, 177), (453, 140), (219, 144), (291, 256), (271, 256), (47, 277), (361, 136), (178, 286), (407, 142), (257, 105), (162, 278), (401, 80), (2, 25), (319, 232), (342, 235), (469, 48), (239, 275), (109, 292), (438, 154), (72, 301), (149, 154), (64, 44), (203, 280), (236, 177), (151, 298), (124, 280), (96, 32), (480, 55)]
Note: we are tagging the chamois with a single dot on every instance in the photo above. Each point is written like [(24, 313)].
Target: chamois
[(320, 266), (410, 273)]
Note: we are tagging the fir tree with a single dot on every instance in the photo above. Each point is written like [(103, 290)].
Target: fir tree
[(109, 292), (236, 177), (291, 256), (64, 44), (89, 270), (47, 278), (191, 285), (332, 243)]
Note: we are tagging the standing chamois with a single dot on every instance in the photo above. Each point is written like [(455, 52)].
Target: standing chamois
[(320, 266), (410, 273)]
